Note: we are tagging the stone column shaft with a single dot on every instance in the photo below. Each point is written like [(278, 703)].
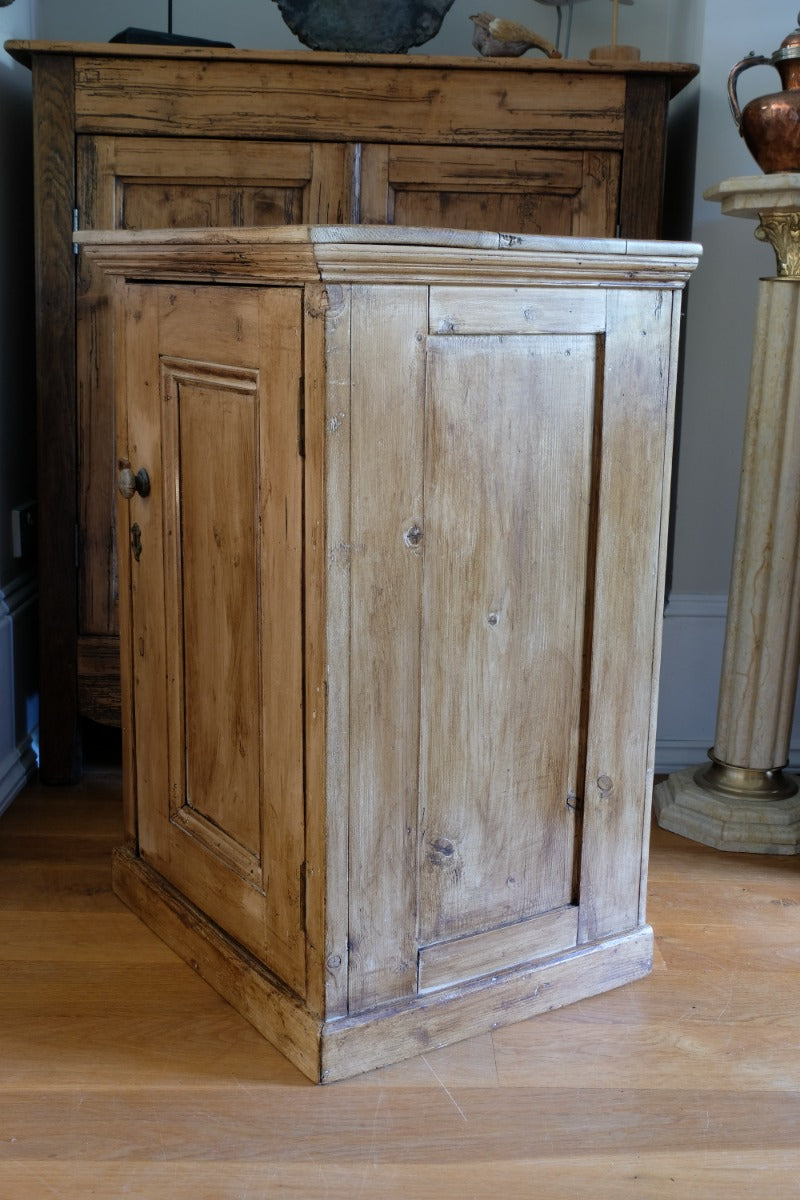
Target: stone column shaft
[(743, 800), (762, 636)]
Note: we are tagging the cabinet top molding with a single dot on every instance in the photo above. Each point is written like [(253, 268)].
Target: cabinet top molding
[(357, 253), (680, 74)]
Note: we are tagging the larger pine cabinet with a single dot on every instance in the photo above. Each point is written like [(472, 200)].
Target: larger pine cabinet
[(132, 137), (392, 528)]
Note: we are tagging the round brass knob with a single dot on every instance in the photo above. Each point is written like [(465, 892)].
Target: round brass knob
[(129, 483)]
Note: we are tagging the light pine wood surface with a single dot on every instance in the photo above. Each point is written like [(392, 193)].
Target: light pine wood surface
[(503, 546), (134, 137), (124, 1075)]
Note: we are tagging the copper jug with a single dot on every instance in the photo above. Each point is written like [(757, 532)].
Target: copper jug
[(770, 125)]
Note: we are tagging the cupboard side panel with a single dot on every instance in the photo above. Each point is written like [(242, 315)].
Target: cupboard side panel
[(388, 332), (671, 384), (641, 199), (280, 594), (627, 600)]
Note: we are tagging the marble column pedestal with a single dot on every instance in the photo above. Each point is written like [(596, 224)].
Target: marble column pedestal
[(742, 799)]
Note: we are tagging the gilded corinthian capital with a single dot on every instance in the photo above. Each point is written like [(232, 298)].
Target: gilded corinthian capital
[(782, 231)]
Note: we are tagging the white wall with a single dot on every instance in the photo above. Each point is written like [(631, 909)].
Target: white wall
[(17, 403), (722, 301), (705, 148), (719, 325), (257, 24)]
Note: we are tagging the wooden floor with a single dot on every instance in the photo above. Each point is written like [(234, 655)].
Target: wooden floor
[(123, 1075)]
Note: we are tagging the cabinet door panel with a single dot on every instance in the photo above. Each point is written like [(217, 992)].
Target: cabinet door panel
[(215, 620), (518, 191), (149, 183), (504, 619)]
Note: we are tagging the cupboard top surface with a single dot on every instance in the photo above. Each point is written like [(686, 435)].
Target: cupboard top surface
[(24, 50)]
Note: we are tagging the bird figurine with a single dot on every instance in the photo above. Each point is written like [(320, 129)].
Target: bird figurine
[(494, 37)]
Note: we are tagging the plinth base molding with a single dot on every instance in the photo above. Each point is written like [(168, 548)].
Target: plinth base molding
[(682, 806)]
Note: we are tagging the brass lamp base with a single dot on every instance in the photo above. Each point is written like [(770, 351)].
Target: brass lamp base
[(730, 808), (745, 783)]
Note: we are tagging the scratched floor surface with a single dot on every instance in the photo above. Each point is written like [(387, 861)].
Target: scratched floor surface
[(123, 1075)]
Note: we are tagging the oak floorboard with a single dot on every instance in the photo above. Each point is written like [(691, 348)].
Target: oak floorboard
[(123, 1075), (595, 1177)]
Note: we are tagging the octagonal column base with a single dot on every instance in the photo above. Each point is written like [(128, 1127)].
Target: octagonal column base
[(717, 818)]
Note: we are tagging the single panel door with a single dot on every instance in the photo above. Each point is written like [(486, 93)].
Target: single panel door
[(210, 398)]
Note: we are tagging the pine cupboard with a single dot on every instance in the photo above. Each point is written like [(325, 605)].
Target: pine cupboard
[(134, 137), (392, 516)]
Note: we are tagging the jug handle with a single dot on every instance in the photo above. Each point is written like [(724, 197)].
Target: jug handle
[(752, 60)]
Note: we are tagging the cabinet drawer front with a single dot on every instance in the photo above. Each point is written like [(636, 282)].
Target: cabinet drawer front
[(478, 187), (473, 104), (154, 183)]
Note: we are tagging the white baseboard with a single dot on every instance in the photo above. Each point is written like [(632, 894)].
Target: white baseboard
[(691, 661), (18, 687)]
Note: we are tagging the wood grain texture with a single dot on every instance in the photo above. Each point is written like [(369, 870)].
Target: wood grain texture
[(328, 455), (683, 1083), (137, 137), (641, 199), (474, 187), (387, 102), (502, 644), (211, 402), (627, 594), (485, 524), (386, 506)]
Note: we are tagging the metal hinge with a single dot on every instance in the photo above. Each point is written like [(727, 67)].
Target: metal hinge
[(75, 226)]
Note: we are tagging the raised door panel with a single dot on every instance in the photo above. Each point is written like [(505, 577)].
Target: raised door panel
[(508, 481), (146, 183), (211, 385), (517, 191), (124, 182)]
